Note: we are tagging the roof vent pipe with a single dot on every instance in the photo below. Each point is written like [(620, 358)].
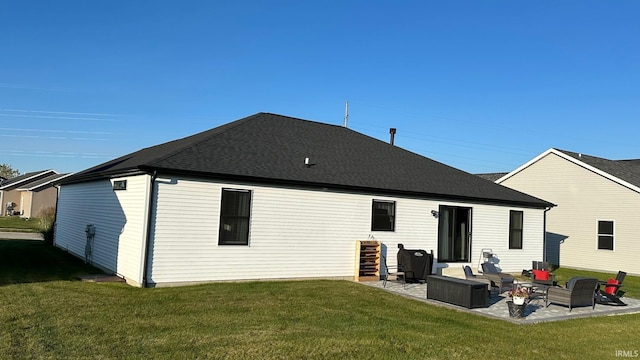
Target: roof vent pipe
[(392, 131)]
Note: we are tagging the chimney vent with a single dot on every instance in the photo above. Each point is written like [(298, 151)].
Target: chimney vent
[(392, 131)]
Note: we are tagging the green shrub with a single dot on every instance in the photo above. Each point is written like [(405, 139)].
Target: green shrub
[(45, 220)]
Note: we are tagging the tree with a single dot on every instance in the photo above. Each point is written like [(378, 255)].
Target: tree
[(6, 171)]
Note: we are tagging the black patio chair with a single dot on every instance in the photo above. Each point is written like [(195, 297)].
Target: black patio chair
[(397, 274), (611, 293)]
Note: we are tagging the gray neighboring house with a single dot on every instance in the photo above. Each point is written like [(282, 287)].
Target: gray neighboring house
[(595, 224), (274, 197), (27, 194)]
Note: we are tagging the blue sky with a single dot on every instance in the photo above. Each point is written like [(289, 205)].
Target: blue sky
[(483, 86)]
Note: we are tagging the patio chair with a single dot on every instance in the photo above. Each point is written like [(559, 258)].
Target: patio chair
[(577, 292), (540, 265), (611, 293), (541, 274), (397, 275), (469, 275), (499, 279)]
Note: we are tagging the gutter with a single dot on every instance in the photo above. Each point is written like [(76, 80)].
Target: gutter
[(147, 243)]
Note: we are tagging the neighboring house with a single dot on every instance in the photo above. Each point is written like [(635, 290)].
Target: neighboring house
[(595, 224), (272, 197), (11, 193), (39, 195)]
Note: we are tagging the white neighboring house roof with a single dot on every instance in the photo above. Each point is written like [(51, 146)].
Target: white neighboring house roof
[(623, 172)]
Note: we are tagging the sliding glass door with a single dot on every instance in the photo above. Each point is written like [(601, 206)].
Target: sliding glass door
[(454, 234)]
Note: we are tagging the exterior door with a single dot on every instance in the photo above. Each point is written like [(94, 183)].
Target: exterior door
[(454, 234)]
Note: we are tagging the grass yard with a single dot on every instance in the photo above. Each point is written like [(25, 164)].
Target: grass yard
[(16, 223), (47, 314)]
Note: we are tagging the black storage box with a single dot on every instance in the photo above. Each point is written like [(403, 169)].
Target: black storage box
[(461, 292)]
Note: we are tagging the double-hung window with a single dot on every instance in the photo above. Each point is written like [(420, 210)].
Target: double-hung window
[(235, 212), (605, 235), (515, 229), (383, 215)]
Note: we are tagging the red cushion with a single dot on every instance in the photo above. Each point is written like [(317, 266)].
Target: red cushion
[(611, 289), (541, 274)]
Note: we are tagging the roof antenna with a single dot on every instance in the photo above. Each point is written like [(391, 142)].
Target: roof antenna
[(346, 114)]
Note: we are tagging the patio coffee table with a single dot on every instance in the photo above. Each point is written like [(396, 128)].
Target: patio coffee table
[(539, 290)]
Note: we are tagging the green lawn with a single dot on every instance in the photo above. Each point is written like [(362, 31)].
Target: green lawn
[(16, 223), (50, 315)]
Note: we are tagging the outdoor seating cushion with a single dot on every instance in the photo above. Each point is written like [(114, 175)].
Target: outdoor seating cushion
[(541, 274), (611, 289)]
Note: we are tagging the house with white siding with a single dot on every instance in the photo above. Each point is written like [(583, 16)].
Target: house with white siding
[(595, 224), (275, 197)]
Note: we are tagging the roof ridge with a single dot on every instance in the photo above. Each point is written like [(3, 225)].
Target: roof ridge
[(214, 132), (301, 119), (217, 131)]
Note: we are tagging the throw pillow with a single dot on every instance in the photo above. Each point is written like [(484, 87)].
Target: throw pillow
[(541, 274), (612, 290)]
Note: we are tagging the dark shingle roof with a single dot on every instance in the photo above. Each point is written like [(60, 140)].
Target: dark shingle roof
[(626, 170), (492, 176), (24, 179), (272, 148), (44, 182)]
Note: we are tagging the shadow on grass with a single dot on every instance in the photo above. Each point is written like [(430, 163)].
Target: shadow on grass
[(30, 261)]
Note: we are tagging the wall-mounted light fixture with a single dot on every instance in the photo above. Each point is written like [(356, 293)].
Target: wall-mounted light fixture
[(435, 213)]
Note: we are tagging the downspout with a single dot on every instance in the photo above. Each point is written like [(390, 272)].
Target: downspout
[(544, 234), (147, 244)]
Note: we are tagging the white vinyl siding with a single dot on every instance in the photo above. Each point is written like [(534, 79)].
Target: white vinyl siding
[(490, 230), (294, 233), (582, 197), (298, 233), (118, 216)]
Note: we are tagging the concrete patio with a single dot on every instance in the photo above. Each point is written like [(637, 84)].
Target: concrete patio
[(536, 312)]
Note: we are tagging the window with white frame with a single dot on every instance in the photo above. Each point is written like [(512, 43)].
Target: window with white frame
[(605, 235)]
